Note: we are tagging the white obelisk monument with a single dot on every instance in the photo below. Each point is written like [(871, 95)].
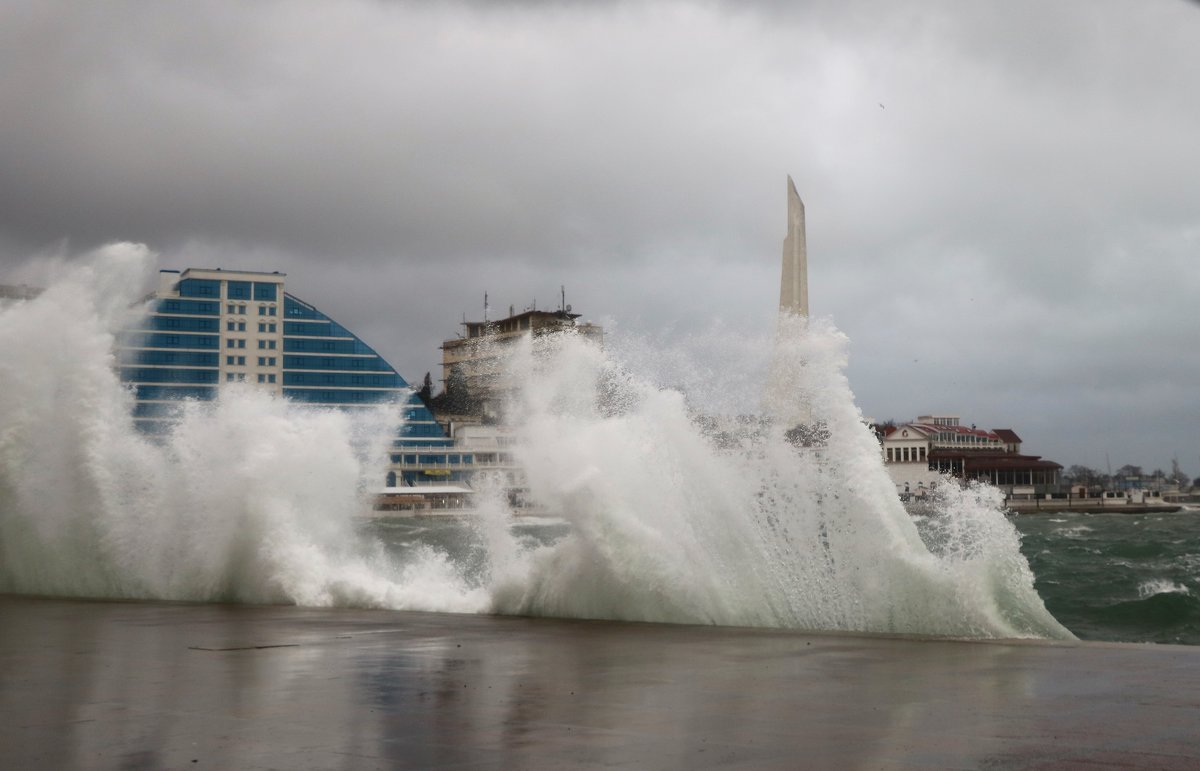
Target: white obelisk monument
[(793, 287), (786, 400)]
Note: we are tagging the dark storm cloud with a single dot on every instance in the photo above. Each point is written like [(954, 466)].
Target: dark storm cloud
[(1002, 201), (366, 128)]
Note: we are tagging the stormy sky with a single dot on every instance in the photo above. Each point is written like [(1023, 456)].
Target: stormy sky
[(1003, 199)]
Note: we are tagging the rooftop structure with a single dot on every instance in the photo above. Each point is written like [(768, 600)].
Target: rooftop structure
[(473, 363)]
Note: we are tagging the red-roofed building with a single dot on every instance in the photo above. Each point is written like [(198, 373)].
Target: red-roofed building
[(918, 453)]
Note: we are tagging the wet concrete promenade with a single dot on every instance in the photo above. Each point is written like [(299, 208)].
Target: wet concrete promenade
[(158, 685)]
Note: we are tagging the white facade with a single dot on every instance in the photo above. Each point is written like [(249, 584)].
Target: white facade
[(906, 455), (251, 330)]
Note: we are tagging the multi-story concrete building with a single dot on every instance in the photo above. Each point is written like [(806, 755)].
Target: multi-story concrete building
[(205, 329), (473, 363)]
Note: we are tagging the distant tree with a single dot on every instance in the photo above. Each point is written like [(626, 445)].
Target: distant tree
[(1129, 471), (456, 399), (883, 429), (1178, 478), (1082, 475), (426, 392)]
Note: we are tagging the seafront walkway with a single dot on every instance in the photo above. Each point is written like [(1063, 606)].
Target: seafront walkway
[(1088, 506), (161, 685)]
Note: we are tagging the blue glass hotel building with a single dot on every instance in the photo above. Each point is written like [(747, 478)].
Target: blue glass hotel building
[(204, 329)]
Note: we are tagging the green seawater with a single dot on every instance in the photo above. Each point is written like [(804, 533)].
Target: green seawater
[(1118, 577), (1111, 577)]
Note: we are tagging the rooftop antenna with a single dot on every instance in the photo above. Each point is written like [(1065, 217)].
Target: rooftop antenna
[(563, 306), (485, 307)]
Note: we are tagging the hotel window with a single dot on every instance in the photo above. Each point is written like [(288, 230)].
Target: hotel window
[(271, 327), (262, 327), (228, 377), (262, 344), (229, 360), (230, 343), (270, 311), (230, 326), (262, 378), (231, 309), (242, 377), (270, 378), (241, 326), (262, 310), (262, 361), (889, 454), (242, 309), (270, 361), (241, 361), (271, 344), (241, 343)]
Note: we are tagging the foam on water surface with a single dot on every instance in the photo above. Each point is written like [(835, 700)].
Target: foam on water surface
[(674, 515)]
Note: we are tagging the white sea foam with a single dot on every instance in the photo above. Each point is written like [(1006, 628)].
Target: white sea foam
[(249, 499), (252, 499), (1161, 586)]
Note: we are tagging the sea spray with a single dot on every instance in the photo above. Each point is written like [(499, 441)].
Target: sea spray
[(678, 510), (773, 527), (248, 499)]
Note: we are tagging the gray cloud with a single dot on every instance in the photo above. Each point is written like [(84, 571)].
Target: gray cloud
[(1002, 203)]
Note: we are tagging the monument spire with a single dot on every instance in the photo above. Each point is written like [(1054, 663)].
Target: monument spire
[(793, 286)]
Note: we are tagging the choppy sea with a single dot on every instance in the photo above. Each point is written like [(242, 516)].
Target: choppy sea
[(1111, 577), (1118, 577)]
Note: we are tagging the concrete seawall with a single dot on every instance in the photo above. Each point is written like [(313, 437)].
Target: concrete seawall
[(162, 685), (1089, 506)]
